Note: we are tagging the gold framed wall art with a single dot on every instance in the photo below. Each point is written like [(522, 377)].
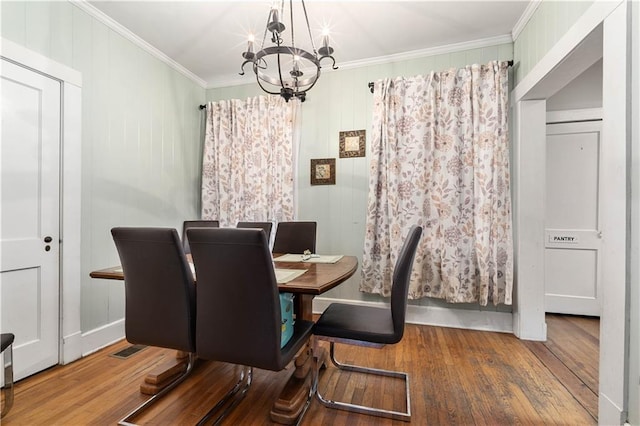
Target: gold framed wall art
[(323, 171), (352, 143)]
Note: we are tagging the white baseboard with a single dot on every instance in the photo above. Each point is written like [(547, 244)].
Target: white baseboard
[(608, 412), (71, 348), (442, 317), (100, 337), (537, 333)]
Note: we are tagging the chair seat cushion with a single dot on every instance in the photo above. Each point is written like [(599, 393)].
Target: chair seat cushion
[(365, 323)]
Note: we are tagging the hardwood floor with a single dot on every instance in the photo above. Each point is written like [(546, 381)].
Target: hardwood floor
[(571, 353), (458, 377)]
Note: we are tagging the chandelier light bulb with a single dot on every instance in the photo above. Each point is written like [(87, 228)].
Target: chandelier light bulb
[(325, 50), (249, 55)]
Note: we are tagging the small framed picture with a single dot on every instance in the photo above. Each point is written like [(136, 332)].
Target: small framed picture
[(352, 143), (323, 171)]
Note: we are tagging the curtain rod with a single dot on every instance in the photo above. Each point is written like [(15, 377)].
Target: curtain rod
[(204, 106), (370, 84)]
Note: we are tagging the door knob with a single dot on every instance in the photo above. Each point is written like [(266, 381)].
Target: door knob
[(47, 239)]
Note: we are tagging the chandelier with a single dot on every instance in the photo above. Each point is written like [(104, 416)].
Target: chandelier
[(284, 68)]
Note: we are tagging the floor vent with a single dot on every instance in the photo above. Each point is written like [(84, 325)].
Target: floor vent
[(127, 352)]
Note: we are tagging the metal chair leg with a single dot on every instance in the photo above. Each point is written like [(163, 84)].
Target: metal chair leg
[(246, 376), (8, 380), (313, 388), (396, 415), (126, 421)]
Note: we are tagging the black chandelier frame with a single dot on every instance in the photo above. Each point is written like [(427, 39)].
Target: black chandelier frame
[(294, 86)]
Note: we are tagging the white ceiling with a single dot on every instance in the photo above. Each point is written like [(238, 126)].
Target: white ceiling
[(208, 37)]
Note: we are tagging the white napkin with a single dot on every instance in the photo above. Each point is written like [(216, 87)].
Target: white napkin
[(283, 276)]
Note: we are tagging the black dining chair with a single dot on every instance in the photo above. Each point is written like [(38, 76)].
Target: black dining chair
[(266, 226), (195, 224), (372, 327), (160, 297), (295, 237), (238, 309), (7, 366)]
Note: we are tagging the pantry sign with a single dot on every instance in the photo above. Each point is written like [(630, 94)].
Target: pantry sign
[(563, 239)]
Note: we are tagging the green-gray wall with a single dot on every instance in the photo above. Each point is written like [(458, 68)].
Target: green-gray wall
[(141, 141), (341, 101), (141, 132), (550, 21)]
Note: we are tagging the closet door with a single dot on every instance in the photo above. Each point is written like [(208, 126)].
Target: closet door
[(572, 219), (30, 217)]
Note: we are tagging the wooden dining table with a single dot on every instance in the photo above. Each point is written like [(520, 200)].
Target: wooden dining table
[(318, 278)]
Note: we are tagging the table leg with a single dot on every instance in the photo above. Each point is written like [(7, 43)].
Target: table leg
[(303, 306), (291, 400)]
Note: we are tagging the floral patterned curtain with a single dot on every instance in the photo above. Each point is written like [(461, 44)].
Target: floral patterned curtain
[(440, 159), (249, 160)]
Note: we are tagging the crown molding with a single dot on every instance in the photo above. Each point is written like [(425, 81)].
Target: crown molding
[(126, 33), (236, 80), (524, 18)]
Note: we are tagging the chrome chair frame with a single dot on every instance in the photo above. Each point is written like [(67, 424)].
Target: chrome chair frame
[(246, 377), (126, 421), (390, 414), (372, 327)]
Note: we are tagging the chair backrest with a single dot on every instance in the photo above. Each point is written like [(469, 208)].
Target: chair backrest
[(159, 288), (195, 224), (295, 237), (238, 306), (401, 279), (266, 226)]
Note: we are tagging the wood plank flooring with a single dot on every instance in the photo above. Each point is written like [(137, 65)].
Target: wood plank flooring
[(458, 377), (571, 353)]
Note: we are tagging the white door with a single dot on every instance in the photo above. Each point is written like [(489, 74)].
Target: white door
[(572, 219), (29, 216)]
